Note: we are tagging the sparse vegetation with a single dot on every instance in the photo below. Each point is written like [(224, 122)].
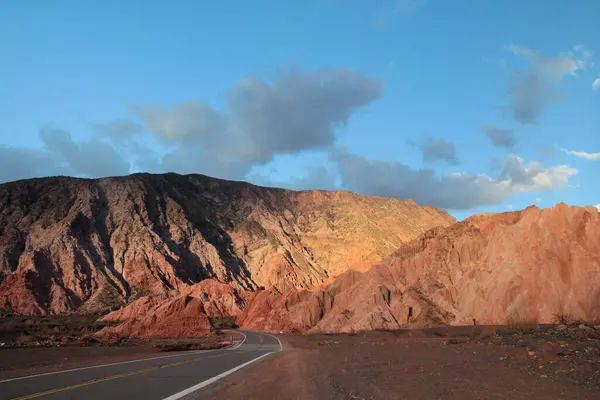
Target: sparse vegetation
[(520, 321), (24, 330), (524, 325), (137, 293), (253, 228), (563, 318), (110, 298), (223, 322)]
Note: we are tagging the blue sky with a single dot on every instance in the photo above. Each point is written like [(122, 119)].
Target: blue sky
[(471, 106)]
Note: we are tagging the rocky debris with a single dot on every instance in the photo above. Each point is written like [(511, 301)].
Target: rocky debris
[(554, 352), (526, 267), (31, 342), (80, 245)]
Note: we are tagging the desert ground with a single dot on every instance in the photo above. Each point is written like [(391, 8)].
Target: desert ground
[(446, 363), (470, 362)]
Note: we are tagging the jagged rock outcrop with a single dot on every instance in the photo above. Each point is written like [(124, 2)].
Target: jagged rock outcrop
[(178, 313), (82, 245), (519, 267)]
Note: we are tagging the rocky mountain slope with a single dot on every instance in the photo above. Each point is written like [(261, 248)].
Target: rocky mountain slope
[(81, 245), (519, 267)]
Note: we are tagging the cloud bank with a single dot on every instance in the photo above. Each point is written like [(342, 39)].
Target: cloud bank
[(457, 191), (61, 155), (299, 111), (295, 113)]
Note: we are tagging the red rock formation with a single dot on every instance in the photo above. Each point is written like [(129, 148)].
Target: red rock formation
[(181, 316), (178, 313), (516, 267), (80, 245)]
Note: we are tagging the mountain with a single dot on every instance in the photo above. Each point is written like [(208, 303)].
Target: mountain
[(532, 266), (84, 245)]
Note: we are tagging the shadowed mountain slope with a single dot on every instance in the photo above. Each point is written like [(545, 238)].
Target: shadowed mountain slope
[(83, 245)]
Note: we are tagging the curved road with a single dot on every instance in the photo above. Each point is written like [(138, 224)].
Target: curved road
[(167, 377)]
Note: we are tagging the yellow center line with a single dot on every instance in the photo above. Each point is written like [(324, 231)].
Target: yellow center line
[(108, 378)]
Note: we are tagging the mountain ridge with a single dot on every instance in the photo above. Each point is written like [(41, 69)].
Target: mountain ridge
[(84, 245), (529, 266), (520, 267)]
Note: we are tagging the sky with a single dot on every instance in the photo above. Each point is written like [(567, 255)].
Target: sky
[(467, 105)]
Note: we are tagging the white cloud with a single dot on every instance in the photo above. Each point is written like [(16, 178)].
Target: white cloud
[(597, 206), (438, 150), (509, 207), (25, 163), (118, 128), (457, 191), (298, 111), (316, 177), (500, 137), (535, 88), (583, 154), (91, 158), (596, 84), (61, 155)]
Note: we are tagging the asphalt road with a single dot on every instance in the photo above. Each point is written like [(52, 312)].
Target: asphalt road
[(167, 377)]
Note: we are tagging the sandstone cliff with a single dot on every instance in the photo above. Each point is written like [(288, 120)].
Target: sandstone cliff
[(518, 267), (81, 245)]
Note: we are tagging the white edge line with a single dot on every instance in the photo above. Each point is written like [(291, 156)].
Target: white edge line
[(123, 362), (213, 379), (240, 343), (207, 382), (275, 337)]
